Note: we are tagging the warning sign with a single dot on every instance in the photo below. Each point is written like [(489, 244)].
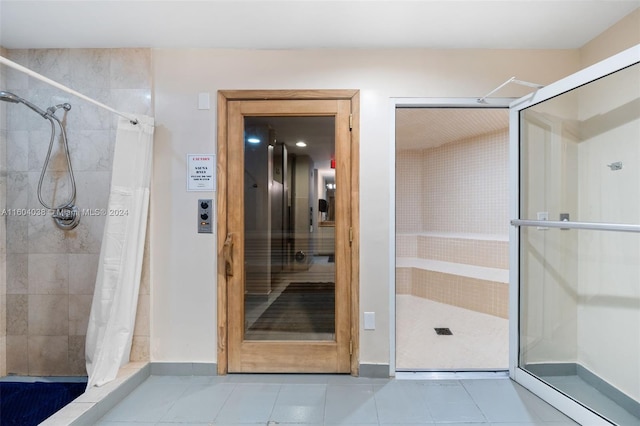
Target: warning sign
[(201, 172)]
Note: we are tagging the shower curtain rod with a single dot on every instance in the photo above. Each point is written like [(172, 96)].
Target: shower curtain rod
[(40, 77), (511, 80)]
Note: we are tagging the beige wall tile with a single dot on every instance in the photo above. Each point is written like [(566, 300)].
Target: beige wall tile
[(17, 234), (77, 362), (480, 252), (90, 68), (140, 348), (79, 310), (478, 295), (48, 355), (17, 355), (17, 314), (457, 188), (142, 316), (48, 274), (403, 280), (42, 237), (3, 316), (17, 274), (130, 69), (82, 273), (406, 245), (409, 187), (145, 279), (48, 315), (3, 355), (466, 186), (4, 155), (56, 270)]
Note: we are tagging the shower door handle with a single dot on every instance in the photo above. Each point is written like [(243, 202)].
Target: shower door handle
[(227, 252)]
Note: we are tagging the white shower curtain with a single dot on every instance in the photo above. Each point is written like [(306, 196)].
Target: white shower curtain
[(115, 298)]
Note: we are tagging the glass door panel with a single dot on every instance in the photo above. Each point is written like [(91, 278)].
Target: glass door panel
[(579, 275), (289, 250)]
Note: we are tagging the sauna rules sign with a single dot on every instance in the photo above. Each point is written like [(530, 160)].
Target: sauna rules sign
[(201, 172)]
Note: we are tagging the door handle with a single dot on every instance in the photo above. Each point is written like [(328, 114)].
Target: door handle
[(227, 252)]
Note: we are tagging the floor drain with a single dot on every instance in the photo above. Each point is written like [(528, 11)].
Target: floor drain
[(443, 332)]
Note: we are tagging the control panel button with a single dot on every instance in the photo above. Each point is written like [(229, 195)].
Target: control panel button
[(204, 216)]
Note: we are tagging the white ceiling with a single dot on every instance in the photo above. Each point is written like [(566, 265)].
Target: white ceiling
[(267, 24)]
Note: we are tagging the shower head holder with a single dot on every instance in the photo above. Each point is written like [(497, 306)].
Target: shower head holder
[(67, 217)]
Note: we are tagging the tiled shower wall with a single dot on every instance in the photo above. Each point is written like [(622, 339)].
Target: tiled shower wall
[(51, 273), (452, 206), (457, 188), (465, 186), (3, 229)]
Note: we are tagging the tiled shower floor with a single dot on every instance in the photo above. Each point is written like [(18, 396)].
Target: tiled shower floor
[(479, 341)]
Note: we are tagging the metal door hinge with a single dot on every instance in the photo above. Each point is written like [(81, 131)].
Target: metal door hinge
[(350, 121), (350, 347), (350, 235)]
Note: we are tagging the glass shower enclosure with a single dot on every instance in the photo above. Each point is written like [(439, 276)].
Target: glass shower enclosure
[(575, 242)]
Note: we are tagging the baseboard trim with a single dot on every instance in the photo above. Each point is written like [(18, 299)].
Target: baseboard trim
[(602, 386), (374, 371), (553, 369), (620, 398)]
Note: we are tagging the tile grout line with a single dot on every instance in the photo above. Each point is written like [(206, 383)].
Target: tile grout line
[(225, 400), (273, 407), (475, 403)]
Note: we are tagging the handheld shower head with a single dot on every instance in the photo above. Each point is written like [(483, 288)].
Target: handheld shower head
[(9, 97), (13, 98)]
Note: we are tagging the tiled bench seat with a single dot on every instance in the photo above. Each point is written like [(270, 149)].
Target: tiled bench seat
[(474, 275)]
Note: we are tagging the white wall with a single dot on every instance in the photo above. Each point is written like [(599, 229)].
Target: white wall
[(609, 272), (183, 262), (613, 284), (623, 35)]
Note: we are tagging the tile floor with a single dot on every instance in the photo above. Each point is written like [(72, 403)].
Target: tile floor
[(479, 341), (330, 400)]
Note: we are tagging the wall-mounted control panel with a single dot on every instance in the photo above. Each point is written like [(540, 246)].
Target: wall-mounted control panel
[(205, 216)]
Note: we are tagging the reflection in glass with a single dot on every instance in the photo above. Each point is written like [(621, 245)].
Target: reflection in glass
[(289, 229), (580, 289)]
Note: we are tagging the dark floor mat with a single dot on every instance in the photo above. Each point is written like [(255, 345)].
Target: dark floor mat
[(301, 307), (27, 404)]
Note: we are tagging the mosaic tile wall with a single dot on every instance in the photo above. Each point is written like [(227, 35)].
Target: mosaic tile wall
[(51, 273), (452, 206)]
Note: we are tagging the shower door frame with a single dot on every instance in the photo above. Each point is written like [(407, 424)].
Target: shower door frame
[(395, 103), (594, 72)]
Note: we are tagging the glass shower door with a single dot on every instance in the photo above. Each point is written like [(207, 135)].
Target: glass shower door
[(577, 242)]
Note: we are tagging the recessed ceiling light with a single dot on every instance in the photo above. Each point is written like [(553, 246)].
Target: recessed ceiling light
[(301, 144), (253, 140)]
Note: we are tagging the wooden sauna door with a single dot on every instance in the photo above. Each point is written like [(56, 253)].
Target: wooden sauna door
[(289, 303)]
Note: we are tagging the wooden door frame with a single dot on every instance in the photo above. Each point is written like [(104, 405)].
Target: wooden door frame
[(224, 96)]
